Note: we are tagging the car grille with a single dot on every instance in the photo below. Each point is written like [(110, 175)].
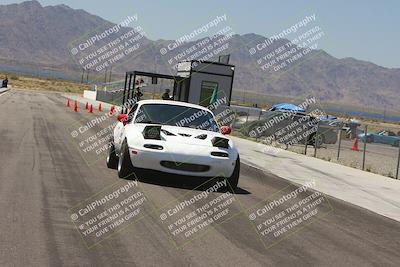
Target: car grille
[(182, 166)]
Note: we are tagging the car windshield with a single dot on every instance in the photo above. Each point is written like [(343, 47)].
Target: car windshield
[(176, 115)]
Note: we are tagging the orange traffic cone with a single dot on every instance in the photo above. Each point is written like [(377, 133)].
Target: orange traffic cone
[(99, 109), (91, 109), (68, 104), (112, 110), (75, 106), (355, 145), (87, 106)]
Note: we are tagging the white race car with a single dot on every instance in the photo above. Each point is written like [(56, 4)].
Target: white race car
[(173, 137)]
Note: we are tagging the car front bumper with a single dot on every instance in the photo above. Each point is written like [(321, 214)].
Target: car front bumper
[(180, 160)]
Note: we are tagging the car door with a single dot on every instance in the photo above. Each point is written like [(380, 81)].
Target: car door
[(392, 140), (385, 139), (379, 137)]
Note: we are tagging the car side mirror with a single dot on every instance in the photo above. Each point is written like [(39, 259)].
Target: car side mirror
[(122, 118), (226, 130)]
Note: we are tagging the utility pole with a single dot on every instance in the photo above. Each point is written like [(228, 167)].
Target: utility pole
[(384, 114), (105, 76), (83, 74), (398, 164), (109, 77)]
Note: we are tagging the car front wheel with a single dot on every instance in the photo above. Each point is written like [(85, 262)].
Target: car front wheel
[(125, 167), (112, 159), (234, 179)]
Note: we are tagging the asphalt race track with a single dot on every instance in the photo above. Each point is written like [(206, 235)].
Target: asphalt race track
[(43, 175)]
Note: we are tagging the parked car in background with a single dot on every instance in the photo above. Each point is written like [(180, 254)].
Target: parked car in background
[(329, 130), (274, 124), (382, 137), (4, 83)]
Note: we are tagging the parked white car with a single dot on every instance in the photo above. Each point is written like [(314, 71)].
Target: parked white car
[(173, 137)]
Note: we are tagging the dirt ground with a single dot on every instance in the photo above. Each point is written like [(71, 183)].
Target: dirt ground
[(379, 158), (43, 84)]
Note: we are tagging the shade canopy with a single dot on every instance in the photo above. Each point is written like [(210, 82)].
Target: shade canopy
[(287, 106)]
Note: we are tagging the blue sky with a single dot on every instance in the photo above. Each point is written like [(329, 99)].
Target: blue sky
[(366, 30)]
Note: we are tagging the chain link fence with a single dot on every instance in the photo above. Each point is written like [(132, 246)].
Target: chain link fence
[(369, 146)]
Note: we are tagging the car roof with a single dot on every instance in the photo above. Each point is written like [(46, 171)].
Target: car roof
[(172, 102)]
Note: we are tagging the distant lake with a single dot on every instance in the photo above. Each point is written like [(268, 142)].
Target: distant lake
[(380, 116)]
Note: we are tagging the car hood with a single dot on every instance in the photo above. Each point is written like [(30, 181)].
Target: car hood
[(184, 135)]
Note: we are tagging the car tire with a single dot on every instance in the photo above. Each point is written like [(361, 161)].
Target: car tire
[(397, 143), (125, 167), (370, 139), (234, 179), (112, 159)]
